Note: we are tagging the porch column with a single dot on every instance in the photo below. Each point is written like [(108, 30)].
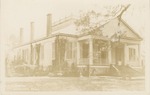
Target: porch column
[(78, 52), (109, 53), (139, 55), (91, 51), (125, 54)]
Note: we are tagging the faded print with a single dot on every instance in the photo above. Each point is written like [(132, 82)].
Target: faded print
[(74, 45)]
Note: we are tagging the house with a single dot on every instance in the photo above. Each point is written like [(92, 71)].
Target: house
[(98, 47)]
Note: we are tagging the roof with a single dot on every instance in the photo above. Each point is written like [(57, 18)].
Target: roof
[(111, 28), (66, 27), (107, 25), (69, 29)]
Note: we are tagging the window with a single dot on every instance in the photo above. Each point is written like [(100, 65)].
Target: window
[(74, 50), (131, 54), (26, 54), (85, 50), (104, 57), (42, 52), (53, 50)]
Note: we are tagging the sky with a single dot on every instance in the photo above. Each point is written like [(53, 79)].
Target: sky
[(16, 14)]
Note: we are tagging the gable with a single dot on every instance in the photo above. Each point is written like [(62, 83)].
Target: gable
[(129, 35), (129, 32), (111, 28)]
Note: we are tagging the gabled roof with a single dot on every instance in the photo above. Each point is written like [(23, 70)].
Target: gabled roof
[(111, 28), (108, 28)]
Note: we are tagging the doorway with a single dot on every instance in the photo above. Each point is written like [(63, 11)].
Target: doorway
[(119, 53)]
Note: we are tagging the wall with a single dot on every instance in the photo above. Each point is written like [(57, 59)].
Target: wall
[(45, 51)]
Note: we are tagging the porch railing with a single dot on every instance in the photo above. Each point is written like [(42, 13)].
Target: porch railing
[(84, 61)]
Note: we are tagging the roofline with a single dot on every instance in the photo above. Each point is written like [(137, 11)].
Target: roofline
[(71, 35), (47, 37)]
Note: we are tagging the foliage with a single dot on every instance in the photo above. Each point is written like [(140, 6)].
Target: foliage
[(92, 20)]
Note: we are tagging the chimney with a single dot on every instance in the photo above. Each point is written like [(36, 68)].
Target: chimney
[(21, 36), (32, 32), (49, 24)]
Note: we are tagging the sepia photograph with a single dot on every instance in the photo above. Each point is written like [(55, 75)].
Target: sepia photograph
[(74, 47)]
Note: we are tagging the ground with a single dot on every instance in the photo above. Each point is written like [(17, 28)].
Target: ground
[(74, 84)]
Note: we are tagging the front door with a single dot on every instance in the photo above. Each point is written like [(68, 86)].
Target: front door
[(119, 55)]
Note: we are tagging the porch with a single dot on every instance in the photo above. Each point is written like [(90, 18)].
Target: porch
[(93, 51), (102, 52)]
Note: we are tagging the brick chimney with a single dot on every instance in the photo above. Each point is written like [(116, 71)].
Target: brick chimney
[(32, 32), (49, 24), (21, 36)]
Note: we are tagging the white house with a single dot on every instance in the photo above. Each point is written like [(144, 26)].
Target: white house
[(111, 43)]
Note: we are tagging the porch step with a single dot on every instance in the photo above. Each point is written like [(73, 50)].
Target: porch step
[(116, 70)]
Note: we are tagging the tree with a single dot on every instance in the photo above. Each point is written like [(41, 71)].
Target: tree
[(91, 21)]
